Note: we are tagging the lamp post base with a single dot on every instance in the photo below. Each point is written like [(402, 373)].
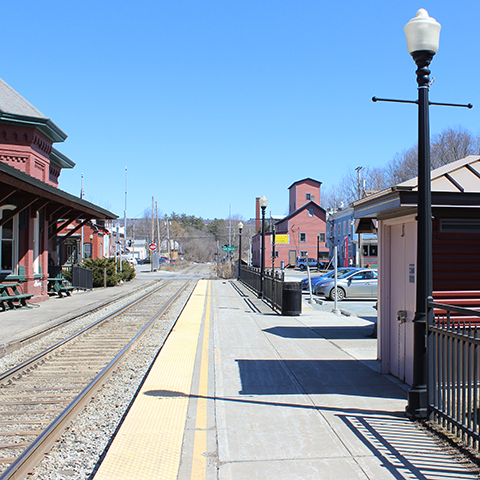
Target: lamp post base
[(417, 408)]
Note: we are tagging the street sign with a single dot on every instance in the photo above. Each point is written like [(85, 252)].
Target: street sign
[(152, 246), (228, 249)]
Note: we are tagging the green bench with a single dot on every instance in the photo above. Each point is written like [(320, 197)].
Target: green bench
[(12, 297), (56, 286)]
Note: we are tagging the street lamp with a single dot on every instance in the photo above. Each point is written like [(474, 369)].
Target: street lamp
[(422, 34), (263, 206), (240, 228)]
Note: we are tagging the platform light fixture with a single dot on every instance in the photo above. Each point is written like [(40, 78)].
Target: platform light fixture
[(263, 206), (423, 34), (240, 228)]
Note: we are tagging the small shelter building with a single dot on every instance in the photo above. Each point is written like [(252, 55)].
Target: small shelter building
[(455, 248)]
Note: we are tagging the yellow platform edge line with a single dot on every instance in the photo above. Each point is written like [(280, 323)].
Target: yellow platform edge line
[(149, 442), (199, 458)]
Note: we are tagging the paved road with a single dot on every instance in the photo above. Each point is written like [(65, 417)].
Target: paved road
[(360, 308)]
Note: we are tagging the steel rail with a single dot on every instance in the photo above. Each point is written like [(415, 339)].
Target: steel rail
[(43, 443), (35, 359)]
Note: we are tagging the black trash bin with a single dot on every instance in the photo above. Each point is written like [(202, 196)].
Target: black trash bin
[(292, 298)]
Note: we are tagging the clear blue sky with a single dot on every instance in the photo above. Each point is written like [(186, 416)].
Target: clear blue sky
[(211, 103)]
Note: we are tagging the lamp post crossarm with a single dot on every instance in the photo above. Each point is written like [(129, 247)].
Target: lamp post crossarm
[(376, 99)]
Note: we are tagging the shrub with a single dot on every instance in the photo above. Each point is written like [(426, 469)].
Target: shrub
[(99, 265)]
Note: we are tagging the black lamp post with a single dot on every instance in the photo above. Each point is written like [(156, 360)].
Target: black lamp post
[(318, 250), (422, 34), (263, 205), (240, 228)]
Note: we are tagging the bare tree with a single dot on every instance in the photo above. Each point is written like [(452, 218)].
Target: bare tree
[(452, 144), (402, 167)]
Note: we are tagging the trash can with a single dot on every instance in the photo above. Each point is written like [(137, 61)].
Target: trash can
[(292, 298)]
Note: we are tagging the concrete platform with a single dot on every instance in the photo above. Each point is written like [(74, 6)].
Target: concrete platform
[(273, 397)]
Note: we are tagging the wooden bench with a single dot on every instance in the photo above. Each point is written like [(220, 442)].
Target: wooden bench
[(12, 297), (56, 286)]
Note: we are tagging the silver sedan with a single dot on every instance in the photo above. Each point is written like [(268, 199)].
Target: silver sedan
[(357, 284)]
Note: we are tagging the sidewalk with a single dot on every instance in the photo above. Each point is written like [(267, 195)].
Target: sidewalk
[(301, 398)]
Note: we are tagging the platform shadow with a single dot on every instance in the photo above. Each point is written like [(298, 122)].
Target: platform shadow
[(333, 377), (330, 333)]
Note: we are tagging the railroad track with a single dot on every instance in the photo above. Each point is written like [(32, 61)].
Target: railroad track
[(40, 397)]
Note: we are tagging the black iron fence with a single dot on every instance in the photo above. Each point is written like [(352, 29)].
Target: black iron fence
[(285, 297), (454, 370), (82, 277)]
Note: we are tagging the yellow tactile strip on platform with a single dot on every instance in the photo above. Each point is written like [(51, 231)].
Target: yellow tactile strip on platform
[(149, 443)]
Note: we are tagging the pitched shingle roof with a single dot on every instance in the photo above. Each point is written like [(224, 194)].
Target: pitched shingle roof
[(14, 109), (12, 102)]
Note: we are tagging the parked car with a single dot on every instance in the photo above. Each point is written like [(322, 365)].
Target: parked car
[(302, 262), (359, 283), (319, 278)]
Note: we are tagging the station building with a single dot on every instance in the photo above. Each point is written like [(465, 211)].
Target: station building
[(36, 217)]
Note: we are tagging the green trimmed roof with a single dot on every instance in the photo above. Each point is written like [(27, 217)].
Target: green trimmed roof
[(14, 109), (60, 160)]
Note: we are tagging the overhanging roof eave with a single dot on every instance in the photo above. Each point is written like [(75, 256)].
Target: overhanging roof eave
[(26, 183), (45, 125)]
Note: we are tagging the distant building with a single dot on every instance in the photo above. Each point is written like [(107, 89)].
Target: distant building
[(342, 233), (301, 233)]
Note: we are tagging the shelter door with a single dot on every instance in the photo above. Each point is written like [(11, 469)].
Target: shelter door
[(397, 302), (402, 255)]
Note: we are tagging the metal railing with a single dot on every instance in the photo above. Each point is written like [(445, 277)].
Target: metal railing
[(454, 371), (272, 284), (82, 277)]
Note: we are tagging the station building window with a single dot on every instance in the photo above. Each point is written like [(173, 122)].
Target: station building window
[(308, 196), (310, 212), (303, 237)]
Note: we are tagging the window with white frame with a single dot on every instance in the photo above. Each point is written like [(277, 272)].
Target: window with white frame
[(321, 237), (303, 237), (36, 244), (303, 253), (8, 241), (310, 212), (308, 196)]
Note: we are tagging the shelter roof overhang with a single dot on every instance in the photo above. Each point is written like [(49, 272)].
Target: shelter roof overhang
[(401, 201), (22, 191)]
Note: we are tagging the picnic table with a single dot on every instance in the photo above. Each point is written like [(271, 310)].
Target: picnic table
[(56, 286), (11, 296)]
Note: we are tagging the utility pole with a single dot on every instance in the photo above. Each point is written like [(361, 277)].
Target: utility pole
[(153, 233), (359, 187), (230, 231), (125, 215), (169, 247)]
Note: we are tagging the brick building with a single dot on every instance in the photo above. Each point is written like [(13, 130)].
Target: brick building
[(301, 232), (33, 210)]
